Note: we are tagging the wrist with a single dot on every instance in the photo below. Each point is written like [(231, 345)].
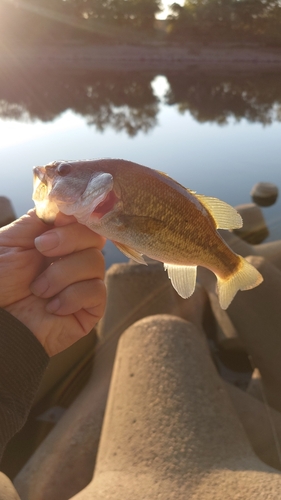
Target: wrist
[(27, 312)]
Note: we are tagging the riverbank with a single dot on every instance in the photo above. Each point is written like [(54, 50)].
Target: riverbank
[(136, 57)]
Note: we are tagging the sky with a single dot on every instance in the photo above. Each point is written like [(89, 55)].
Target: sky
[(166, 4)]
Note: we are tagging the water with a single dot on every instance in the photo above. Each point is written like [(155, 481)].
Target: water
[(216, 134)]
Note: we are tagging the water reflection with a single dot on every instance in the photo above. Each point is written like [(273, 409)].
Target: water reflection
[(256, 97), (122, 101), (127, 100)]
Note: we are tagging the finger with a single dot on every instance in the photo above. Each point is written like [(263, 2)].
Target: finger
[(64, 240), (88, 296), (80, 266), (21, 233), (63, 220)]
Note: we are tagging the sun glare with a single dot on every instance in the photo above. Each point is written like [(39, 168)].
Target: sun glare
[(166, 10)]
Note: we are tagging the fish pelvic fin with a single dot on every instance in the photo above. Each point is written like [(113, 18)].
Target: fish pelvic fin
[(224, 215), (183, 279), (130, 253), (245, 278)]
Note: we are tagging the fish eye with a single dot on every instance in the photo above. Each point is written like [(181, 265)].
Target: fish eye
[(63, 169)]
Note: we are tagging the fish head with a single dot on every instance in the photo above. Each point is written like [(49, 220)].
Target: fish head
[(78, 188)]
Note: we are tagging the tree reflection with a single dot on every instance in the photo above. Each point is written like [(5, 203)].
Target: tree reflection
[(125, 101), (255, 97)]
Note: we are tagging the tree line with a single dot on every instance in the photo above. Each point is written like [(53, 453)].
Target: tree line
[(230, 20), (125, 101), (196, 20)]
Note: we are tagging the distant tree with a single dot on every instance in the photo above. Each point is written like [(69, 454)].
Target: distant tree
[(220, 97), (44, 20), (227, 19), (135, 13)]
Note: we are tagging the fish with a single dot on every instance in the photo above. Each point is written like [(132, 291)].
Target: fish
[(144, 212)]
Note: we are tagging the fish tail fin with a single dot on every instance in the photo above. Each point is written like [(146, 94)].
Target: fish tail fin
[(245, 278)]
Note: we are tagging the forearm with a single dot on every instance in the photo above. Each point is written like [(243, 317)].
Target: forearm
[(23, 361)]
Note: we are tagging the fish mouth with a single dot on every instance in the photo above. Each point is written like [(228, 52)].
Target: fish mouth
[(39, 173), (40, 184), (53, 193), (45, 209)]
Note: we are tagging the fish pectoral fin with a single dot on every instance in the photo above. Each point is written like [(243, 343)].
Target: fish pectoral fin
[(225, 216), (183, 278), (130, 253)]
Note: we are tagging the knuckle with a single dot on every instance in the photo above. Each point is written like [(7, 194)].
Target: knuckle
[(97, 261)]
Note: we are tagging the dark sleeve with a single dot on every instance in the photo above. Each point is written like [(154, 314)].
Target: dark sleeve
[(23, 361)]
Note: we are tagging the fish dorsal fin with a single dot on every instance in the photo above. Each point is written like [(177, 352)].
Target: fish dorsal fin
[(130, 253), (163, 173), (183, 279), (224, 215)]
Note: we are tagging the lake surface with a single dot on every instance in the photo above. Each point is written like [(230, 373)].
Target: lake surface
[(217, 134)]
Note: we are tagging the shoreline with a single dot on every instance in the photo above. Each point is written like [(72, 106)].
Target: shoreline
[(141, 57)]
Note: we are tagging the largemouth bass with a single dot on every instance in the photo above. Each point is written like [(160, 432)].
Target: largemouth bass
[(145, 212)]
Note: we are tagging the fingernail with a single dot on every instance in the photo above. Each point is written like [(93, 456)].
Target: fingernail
[(39, 286), (46, 241), (53, 306)]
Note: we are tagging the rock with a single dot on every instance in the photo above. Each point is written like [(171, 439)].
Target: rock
[(254, 229), (7, 490), (7, 214), (261, 423), (170, 430), (256, 316), (264, 193)]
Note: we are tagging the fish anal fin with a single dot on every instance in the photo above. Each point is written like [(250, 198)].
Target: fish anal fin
[(130, 253), (224, 215), (183, 278), (245, 278)]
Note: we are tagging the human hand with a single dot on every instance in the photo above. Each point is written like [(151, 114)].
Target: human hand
[(53, 285)]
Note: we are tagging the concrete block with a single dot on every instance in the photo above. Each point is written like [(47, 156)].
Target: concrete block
[(270, 251), (261, 423), (226, 333), (254, 229), (256, 316), (63, 464), (170, 430), (136, 291), (264, 193), (255, 387)]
